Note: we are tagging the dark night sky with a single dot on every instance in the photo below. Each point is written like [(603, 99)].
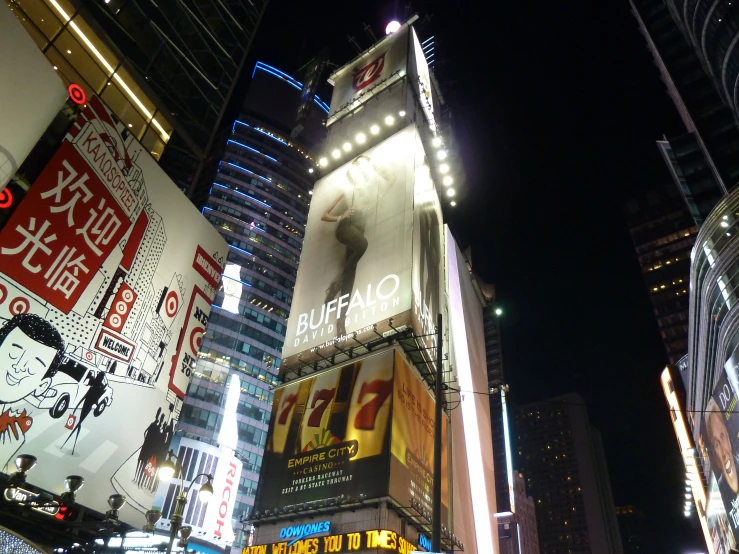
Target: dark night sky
[(556, 107)]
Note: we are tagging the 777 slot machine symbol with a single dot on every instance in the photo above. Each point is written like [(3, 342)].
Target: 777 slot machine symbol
[(62, 232)]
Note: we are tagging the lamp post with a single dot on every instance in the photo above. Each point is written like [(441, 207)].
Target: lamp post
[(170, 469)]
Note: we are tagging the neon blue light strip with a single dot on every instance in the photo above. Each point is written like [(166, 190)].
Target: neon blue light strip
[(240, 249), (241, 123), (321, 104), (207, 208), (244, 146), (270, 136), (241, 193), (508, 460), (241, 168), (237, 280), (291, 83), (287, 78), (428, 39)]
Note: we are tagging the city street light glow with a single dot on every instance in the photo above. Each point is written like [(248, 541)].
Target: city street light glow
[(442, 154), (347, 147), (323, 162), (389, 120), (444, 168), (401, 113), (447, 180), (453, 203), (310, 170), (336, 154), (450, 192), (392, 27), (375, 129), (436, 142), (361, 138), (498, 311)]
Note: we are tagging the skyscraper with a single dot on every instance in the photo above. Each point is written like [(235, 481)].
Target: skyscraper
[(633, 526), (258, 202), (562, 459)]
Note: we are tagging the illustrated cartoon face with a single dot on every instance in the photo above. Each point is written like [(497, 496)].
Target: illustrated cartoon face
[(722, 448), (23, 365)]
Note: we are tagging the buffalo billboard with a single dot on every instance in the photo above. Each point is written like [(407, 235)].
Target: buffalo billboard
[(361, 428), (369, 74), (356, 267), (107, 274), (31, 93)]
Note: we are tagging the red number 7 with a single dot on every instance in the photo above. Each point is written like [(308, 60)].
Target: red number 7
[(367, 414), (287, 405), (324, 396)]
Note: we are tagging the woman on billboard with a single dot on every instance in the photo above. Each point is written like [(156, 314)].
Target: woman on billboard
[(366, 183)]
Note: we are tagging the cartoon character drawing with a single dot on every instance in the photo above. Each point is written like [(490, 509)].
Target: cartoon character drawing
[(30, 354)]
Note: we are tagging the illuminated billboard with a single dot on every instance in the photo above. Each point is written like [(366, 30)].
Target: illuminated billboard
[(355, 268), (369, 74), (361, 428), (31, 94), (107, 274)]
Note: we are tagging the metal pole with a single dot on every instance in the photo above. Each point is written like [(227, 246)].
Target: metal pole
[(438, 422), (175, 521)]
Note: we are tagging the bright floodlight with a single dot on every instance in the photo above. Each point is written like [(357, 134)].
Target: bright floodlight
[(375, 129), (310, 170), (389, 120), (361, 138), (447, 180), (453, 203), (436, 142), (336, 154), (392, 27), (401, 113), (323, 162), (166, 471), (206, 492), (442, 154), (444, 168), (347, 146), (498, 311), (450, 192), (724, 224)]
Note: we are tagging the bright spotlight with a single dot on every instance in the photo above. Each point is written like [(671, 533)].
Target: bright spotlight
[(323, 162), (442, 154), (436, 142), (389, 120), (444, 168), (452, 203), (498, 311), (392, 27), (336, 154), (375, 129), (361, 138), (310, 170), (401, 113), (310, 192), (724, 224), (450, 192), (347, 146), (447, 180)]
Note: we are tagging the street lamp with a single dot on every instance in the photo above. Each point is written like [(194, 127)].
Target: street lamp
[(170, 469)]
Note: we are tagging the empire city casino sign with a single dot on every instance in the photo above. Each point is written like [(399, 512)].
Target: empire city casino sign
[(376, 539)]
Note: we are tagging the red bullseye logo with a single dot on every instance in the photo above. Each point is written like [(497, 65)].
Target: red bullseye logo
[(6, 198), (77, 94), (171, 304), (19, 306), (88, 356), (116, 321), (127, 296), (196, 338)]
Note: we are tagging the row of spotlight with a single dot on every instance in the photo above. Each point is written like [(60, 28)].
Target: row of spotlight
[(361, 138)]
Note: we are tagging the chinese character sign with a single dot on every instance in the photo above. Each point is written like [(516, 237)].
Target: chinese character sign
[(95, 352), (62, 233)]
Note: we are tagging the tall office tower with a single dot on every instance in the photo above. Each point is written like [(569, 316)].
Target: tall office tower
[(168, 70), (632, 523), (258, 202), (702, 161), (663, 234), (562, 459)]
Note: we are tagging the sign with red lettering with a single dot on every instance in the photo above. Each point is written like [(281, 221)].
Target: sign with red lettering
[(207, 267), (62, 232), (188, 346), (114, 346), (225, 490)]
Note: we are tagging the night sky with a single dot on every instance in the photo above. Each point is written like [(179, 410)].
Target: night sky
[(556, 107)]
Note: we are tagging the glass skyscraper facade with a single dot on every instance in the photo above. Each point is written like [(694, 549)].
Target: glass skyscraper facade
[(259, 202)]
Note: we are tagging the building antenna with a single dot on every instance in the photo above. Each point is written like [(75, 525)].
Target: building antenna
[(370, 33), (354, 43)]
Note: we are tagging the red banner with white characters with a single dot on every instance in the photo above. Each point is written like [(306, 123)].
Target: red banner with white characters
[(188, 346), (63, 231)]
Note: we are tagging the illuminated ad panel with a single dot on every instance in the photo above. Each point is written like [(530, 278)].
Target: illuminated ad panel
[(107, 274), (694, 483), (31, 94), (718, 439), (374, 540), (420, 73), (412, 445), (374, 71), (355, 268)]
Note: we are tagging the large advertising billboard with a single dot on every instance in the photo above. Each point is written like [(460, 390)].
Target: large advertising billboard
[(31, 94), (107, 274), (360, 428), (368, 75)]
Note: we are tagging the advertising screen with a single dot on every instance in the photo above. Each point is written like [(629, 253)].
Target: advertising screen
[(374, 71), (361, 428), (412, 444), (29, 102), (720, 437), (107, 274), (721, 535), (355, 268)]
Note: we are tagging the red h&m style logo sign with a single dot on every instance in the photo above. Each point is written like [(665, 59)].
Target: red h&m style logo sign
[(364, 76)]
